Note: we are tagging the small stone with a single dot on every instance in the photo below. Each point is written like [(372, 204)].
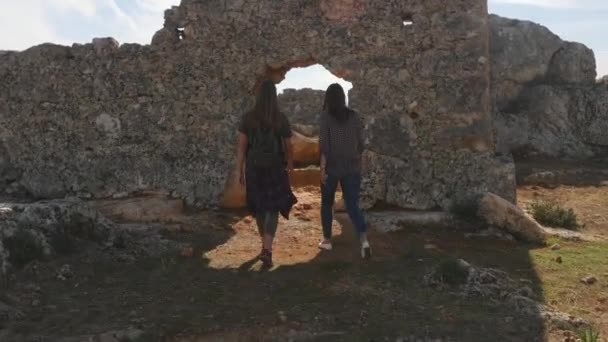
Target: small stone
[(555, 247), (130, 334), (412, 106), (430, 246), (526, 292), (464, 265), (65, 272), (589, 280), (282, 316), (187, 252), (305, 206), (36, 302), (120, 195), (107, 337), (559, 260)]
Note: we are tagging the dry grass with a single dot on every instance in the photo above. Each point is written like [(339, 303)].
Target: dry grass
[(590, 204)]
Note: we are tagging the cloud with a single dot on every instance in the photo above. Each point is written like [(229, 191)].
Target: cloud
[(86, 8), (156, 5), (24, 23)]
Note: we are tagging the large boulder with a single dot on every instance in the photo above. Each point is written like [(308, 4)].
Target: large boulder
[(573, 63), (305, 150), (556, 121), (545, 97), (520, 52), (502, 214), (33, 231)]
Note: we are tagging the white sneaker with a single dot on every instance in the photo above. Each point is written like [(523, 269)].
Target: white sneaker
[(366, 250), (325, 245)]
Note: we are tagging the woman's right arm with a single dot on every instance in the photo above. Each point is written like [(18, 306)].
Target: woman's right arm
[(240, 156)]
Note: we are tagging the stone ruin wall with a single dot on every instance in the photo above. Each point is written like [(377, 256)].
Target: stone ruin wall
[(100, 120)]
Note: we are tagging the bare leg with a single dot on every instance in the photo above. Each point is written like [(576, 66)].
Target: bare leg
[(270, 228)]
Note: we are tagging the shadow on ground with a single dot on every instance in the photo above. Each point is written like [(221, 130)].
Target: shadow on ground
[(221, 294)]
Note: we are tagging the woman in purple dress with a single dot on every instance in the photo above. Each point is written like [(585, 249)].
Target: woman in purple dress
[(265, 163)]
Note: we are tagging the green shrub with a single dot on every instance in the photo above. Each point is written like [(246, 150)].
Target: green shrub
[(553, 215), (23, 248), (589, 335)]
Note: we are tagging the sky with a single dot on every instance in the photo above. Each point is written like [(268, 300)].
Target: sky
[(24, 23)]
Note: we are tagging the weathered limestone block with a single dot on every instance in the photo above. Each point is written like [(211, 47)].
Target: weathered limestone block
[(573, 63), (556, 121), (520, 52), (105, 46), (499, 212), (305, 150), (154, 208), (545, 97)]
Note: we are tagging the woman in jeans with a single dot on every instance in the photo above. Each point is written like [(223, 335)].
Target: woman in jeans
[(341, 140), (264, 158)]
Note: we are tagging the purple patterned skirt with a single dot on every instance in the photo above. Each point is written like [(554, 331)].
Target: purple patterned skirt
[(269, 190)]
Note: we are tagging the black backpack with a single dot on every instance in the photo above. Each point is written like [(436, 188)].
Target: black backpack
[(265, 150)]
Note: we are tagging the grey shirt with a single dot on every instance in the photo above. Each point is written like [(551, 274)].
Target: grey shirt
[(342, 144)]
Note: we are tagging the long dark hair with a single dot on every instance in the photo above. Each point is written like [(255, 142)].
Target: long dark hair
[(335, 103), (266, 112)]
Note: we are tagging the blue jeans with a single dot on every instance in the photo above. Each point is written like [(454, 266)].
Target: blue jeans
[(351, 187)]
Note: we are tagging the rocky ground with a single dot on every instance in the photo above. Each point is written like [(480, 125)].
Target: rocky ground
[(198, 280)]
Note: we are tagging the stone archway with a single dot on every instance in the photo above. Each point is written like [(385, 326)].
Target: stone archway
[(305, 140), (423, 88)]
